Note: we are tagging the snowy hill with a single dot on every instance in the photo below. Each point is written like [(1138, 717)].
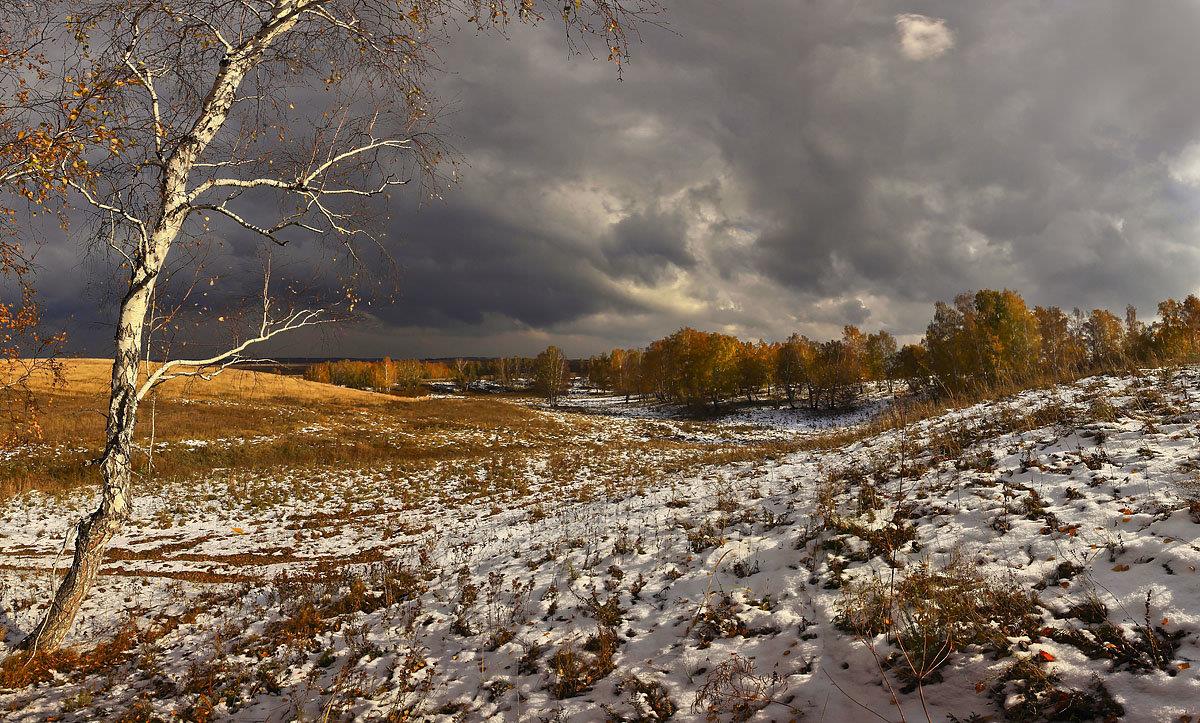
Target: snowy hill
[(1033, 558)]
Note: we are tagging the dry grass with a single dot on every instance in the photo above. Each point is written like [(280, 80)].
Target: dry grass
[(232, 403), (22, 669), (258, 416), (255, 422)]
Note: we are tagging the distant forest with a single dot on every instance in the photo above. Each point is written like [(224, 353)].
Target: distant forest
[(983, 341)]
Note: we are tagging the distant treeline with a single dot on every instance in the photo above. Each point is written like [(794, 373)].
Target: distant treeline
[(706, 368), (981, 341), (405, 375), (410, 375)]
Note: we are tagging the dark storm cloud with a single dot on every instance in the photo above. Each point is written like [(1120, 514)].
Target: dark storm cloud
[(464, 264), (646, 245), (776, 165)]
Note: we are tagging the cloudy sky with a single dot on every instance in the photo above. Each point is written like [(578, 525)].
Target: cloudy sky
[(770, 166)]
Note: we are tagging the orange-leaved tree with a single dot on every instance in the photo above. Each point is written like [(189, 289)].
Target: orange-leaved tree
[(47, 130)]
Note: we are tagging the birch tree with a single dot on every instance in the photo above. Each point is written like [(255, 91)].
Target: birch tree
[(223, 109), (551, 375)]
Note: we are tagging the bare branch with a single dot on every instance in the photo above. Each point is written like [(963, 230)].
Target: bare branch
[(113, 210), (304, 183), (196, 367), (268, 233), (146, 77)]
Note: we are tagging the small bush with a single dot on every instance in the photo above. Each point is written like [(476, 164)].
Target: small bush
[(933, 614), (574, 672), (649, 699), (605, 612), (1026, 692), (734, 689), (719, 620), (1102, 410), (709, 534), (1146, 649)]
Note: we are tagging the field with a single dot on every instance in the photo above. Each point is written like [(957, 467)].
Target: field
[(301, 551)]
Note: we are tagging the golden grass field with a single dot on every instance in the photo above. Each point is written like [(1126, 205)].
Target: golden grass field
[(257, 421)]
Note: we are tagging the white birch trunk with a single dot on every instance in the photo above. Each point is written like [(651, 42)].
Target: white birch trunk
[(95, 532)]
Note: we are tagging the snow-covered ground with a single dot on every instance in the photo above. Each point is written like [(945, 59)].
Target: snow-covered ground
[(762, 419), (1040, 553)]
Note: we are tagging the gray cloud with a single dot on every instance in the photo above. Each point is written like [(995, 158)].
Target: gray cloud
[(921, 37), (647, 245), (781, 166)]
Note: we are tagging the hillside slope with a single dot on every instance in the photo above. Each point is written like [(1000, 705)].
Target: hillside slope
[(1030, 559)]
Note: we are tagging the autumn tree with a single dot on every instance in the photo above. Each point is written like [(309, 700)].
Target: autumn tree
[(1191, 325), (1105, 339), (839, 370), (946, 344), (225, 111), (47, 131), (694, 367), (1170, 336), (599, 371), (1061, 351), (792, 366), (409, 375), (617, 372), (718, 368), (911, 364), (437, 370), (628, 377), (551, 377), (987, 338), (501, 370), (655, 362), (1005, 337), (507, 371), (1177, 333), (465, 372), (756, 367), (1139, 339), (878, 351)]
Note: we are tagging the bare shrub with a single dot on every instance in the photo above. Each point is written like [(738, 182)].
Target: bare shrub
[(1027, 692), (574, 671), (1148, 648), (930, 615), (734, 689), (649, 699)]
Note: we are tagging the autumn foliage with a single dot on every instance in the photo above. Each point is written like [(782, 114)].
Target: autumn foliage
[(981, 341), (704, 369), (405, 376), (44, 143)]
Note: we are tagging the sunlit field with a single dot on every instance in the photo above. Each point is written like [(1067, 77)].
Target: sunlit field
[(246, 422)]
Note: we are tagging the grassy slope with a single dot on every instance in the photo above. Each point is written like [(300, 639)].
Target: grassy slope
[(265, 420), (74, 409)]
